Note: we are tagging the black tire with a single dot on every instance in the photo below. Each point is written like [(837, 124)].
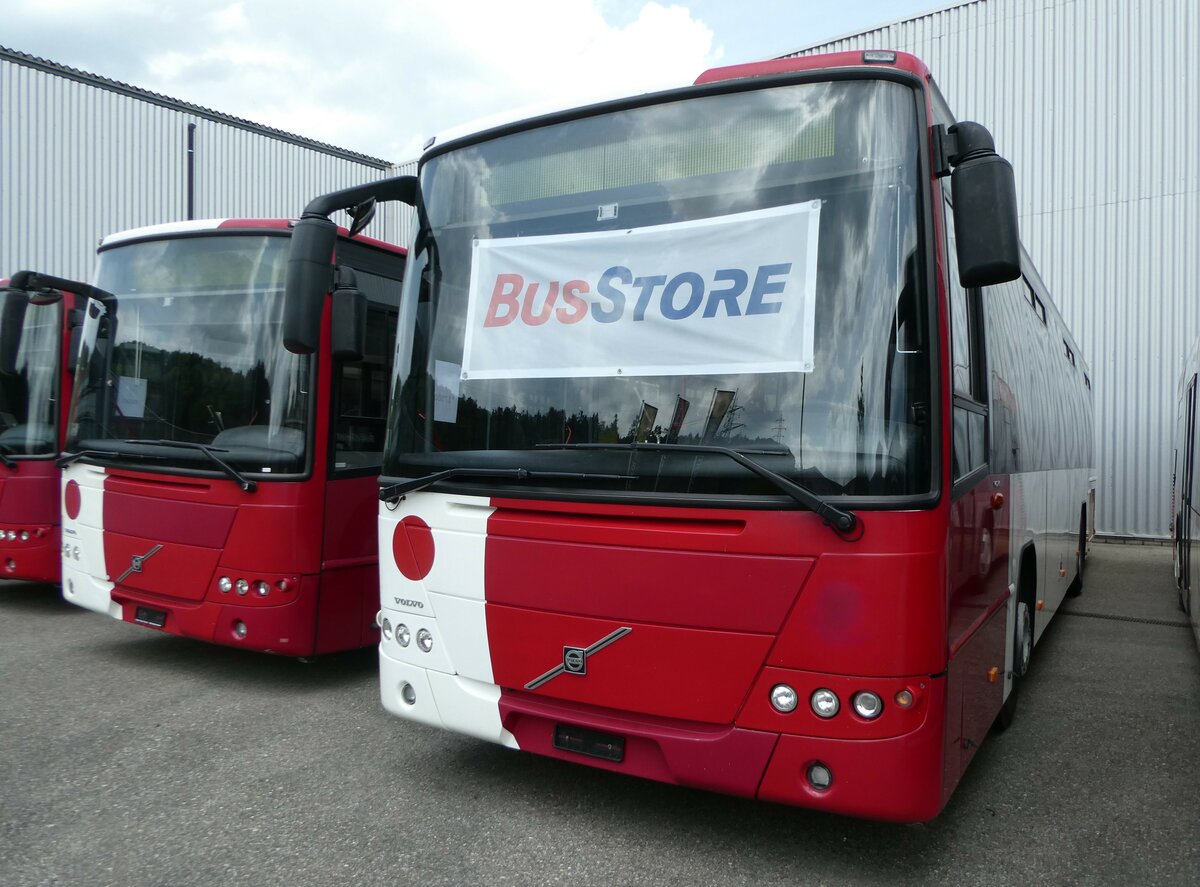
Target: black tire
[(1022, 656)]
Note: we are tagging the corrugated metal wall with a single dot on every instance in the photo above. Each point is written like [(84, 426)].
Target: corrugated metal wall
[(80, 159), (1097, 105)]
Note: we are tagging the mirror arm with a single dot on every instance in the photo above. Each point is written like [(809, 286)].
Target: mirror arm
[(30, 281)]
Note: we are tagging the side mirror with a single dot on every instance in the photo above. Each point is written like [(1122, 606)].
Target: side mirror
[(12, 319), (349, 323), (309, 274), (985, 209), (361, 215)]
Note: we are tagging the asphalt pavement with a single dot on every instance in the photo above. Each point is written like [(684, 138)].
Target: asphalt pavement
[(129, 757)]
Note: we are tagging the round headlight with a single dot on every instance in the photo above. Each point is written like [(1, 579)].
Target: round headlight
[(262, 588), (11, 535), (242, 586), (386, 628), (824, 703), (867, 705), (425, 639), (225, 584), (784, 698), (75, 552), (24, 535), (403, 635)]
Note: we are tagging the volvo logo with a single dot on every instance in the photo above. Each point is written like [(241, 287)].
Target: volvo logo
[(136, 562), (575, 658)]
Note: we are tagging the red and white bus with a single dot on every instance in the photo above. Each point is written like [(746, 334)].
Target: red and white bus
[(215, 485), (727, 446), (1185, 493), (40, 313)]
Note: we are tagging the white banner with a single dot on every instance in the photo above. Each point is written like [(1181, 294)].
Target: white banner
[(731, 294)]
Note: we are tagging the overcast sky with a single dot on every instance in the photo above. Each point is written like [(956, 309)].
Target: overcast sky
[(381, 76)]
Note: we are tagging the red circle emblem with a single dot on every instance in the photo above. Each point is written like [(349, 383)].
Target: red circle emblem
[(72, 500), (412, 547)]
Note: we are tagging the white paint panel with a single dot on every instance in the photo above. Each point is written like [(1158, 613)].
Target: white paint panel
[(463, 625), (89, 592)]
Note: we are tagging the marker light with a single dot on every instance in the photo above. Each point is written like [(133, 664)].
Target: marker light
[(24, 535), (425, 640), (784, 698), (904, 699), (262, 588), (820, 776), (242, 585), (386, 628), (282, 585), (239, 629), (824, 703), (403, 635), (407, 693), (225, 584), (867, 705), (75, 552), (879, 57), (11, 535)]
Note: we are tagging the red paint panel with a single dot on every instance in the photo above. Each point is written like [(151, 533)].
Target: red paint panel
[(167, 520), (348, 601), (29, 493), (283, 538), (39, 559), (671, 672), (730, 592), (903, 62), (868, 614), (174, 570), (897, 779), (721, 759)]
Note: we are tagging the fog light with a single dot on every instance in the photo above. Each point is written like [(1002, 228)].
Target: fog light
[(824, 703), (403, 635), (242, 586), (407, 693), (225, 584), (783, 698), (904, 699), (10, 565), (262, 588), (239, 629), (425, 639), (11, 535), (24, 535), (867, 705), (820, 777), (386, 628)]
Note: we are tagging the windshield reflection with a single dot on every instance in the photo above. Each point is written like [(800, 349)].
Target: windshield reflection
[(857, 424), (190, 352), (30, 337)]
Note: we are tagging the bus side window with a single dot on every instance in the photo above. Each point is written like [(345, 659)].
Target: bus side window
[(360, 388), (970, 411)]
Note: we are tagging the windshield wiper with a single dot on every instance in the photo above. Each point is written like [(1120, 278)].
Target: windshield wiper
[(247, 485), (395, 491), (64, 461), (8, 462), (842, 522)]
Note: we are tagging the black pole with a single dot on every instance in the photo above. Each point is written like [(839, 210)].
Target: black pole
[(191, 171)]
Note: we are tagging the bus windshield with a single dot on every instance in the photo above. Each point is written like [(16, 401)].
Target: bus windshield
[(736, 270), (29, 352), (188, 356)]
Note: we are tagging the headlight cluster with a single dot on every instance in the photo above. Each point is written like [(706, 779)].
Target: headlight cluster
[(825, 703), (71, 552), (258, 588), (22, 535), (402, 634)]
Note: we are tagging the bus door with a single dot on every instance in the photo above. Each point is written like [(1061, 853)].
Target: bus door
[(978, 543), (357, 427)]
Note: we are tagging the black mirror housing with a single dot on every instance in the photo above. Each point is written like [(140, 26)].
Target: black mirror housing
[(349, 323), (309, 275), (985, 210)]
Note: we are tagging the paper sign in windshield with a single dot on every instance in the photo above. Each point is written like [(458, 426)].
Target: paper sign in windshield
[(731, 294)]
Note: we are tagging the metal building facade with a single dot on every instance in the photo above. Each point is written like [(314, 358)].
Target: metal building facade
[(1096, 105), (82, 156)]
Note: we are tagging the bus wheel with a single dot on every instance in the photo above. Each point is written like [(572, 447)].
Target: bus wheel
[(1022, 654), (1076, 588)]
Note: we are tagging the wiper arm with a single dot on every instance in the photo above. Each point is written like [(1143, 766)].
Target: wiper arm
[(247, 485), (8, 462), (395, 491), (839, 520), (64, 461)]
